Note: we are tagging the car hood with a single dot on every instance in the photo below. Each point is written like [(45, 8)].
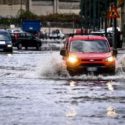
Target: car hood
[(93, 55)]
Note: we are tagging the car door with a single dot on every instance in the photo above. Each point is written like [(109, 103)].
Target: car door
[(30, 40)]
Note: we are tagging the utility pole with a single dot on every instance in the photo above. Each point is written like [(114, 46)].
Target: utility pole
[(55, 6), (106, 18), (115, 28), (21, 6), (94, 13), (27, 5)]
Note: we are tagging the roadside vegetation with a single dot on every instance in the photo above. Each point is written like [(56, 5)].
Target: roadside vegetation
[(60, 20)]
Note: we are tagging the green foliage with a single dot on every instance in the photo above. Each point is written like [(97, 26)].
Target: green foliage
[(60, 17), (22, 14), (93, 11)]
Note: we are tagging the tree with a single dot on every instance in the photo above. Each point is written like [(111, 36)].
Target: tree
[(93, 11)]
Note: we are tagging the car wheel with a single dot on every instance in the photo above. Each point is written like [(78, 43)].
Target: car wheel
[(19, 46), (26, 47), (9, 50), (71, 72), (112, 72), (38, 47)]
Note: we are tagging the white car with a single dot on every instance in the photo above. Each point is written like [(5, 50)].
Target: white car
[(15, 30), (56, 34)]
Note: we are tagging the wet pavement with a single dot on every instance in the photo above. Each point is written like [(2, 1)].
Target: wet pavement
[(35, 89)]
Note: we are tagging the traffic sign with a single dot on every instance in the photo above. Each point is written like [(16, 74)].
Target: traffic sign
[(120, 2), (113, 13)]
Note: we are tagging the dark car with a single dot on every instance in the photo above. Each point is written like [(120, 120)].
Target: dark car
[(88, 53), (5, 41), (109, 37), (15, 33), (26, 40)]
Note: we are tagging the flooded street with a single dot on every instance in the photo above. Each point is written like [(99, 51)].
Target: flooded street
[(35, 89)]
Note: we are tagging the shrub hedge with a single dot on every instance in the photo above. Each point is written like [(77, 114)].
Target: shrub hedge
[(53, 19)]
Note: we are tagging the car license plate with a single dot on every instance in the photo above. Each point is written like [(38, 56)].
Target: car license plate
[(92, 69)]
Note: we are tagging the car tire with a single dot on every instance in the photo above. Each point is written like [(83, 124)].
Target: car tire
[(26, 47), (112, 72), (19, 46), (38, 47), (9, 50), (71, 72)]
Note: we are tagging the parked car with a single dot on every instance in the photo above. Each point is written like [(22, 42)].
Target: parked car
[(109, 37), (26, 40), (5, 41), (56, 34), (14, 32), (88, 53)]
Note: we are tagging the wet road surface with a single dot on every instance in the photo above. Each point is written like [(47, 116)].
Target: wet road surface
[(35, 89)]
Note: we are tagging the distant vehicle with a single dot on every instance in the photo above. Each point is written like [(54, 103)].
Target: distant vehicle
[(111, 29), (5, 41), (88, 53), (31, 26), (27, 40), (109, 37), (56, 34), (81, 31), (14, 32)]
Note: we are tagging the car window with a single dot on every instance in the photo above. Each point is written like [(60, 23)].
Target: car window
[(4, 36), (28, 35), (89, 46)]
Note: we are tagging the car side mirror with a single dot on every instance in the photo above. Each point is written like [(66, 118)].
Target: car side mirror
[(63, 52), (114, 52)]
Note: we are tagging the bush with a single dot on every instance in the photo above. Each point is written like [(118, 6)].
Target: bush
[(62, 20)]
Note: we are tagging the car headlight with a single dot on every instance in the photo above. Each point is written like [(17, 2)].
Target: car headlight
[(72, 59), (9, 45), (110, 59)]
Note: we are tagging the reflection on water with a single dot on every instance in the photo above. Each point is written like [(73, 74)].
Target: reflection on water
[(71, 112), (110, 86), (111, 112), (59, 98), (72, 84)]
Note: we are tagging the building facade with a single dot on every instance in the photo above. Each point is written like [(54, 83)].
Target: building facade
[(39, 7)]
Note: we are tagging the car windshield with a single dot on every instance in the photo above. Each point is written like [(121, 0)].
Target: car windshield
[(89, 46), (4, 36)]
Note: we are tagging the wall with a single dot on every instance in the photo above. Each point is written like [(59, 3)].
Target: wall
[(40, 7)]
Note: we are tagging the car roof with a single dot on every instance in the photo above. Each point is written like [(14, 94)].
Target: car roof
[(87, 37), (3, 31)]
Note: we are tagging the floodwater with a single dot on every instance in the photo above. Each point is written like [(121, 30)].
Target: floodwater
[(35, 89)]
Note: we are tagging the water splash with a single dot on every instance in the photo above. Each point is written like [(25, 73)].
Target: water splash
[(121, 64), (53, 68)]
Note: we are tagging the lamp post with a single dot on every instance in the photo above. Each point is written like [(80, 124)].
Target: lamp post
[(27, 5)]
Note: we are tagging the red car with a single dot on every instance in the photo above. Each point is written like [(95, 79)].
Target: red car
[(88, 53)]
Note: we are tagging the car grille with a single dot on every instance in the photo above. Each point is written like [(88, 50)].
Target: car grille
[(91, 60), (92, 65), (2, 46)]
